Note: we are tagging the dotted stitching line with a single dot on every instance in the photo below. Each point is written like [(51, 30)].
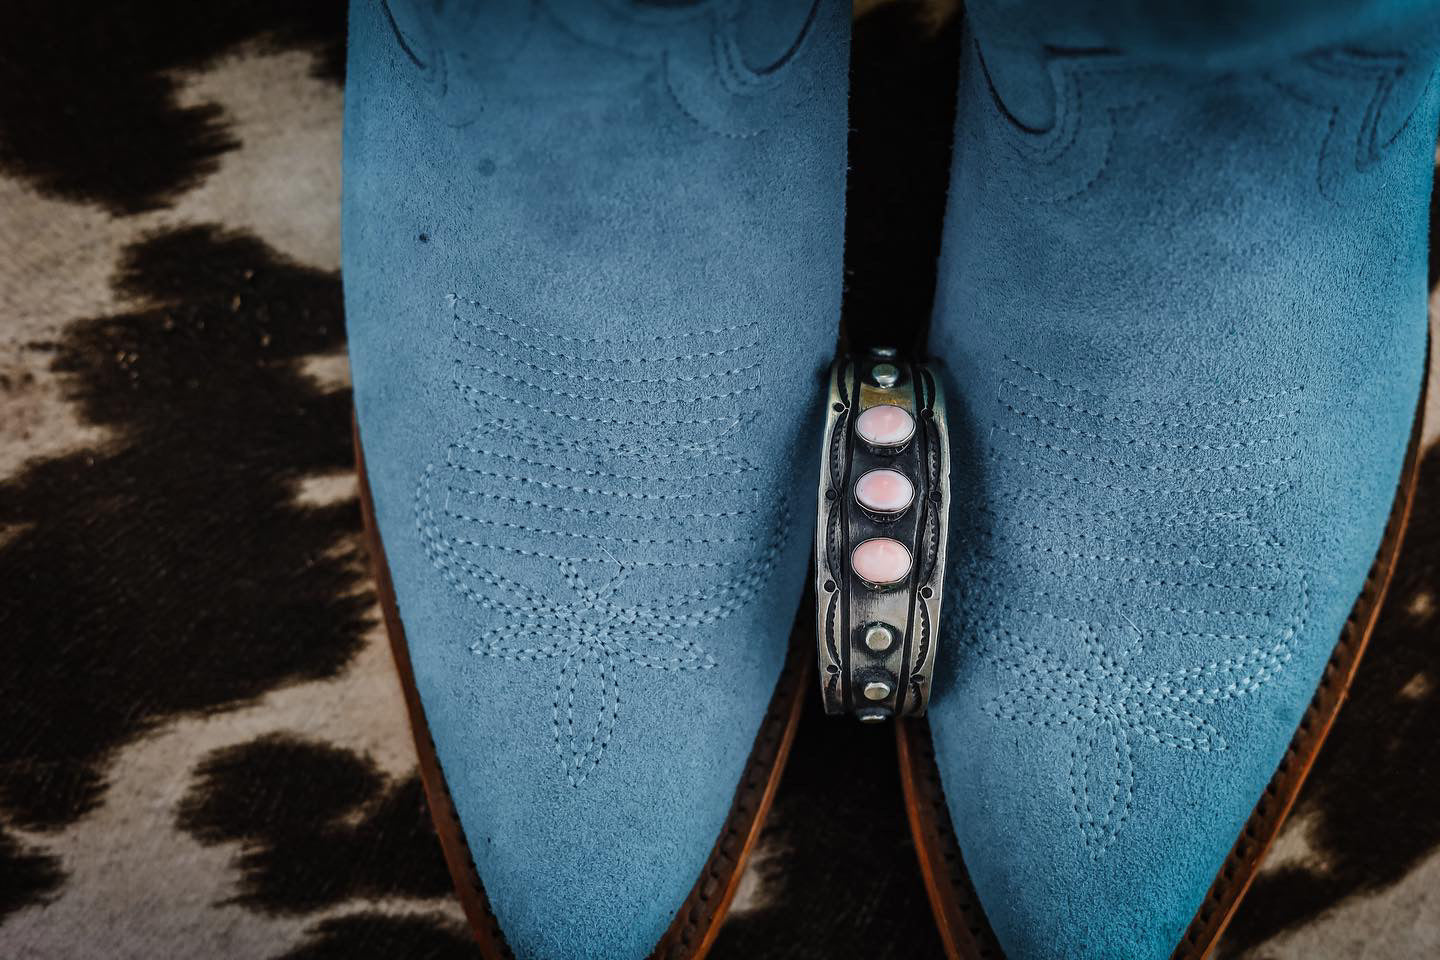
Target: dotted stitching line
[(484, 408), (597, 491), (646, 478), (592, 512), (1145, 422), (1133, 581), (1106, 603), (1072, 532), (590, 537), (1146, 402), (1119, 558), (1176, 519), (1046, 615), (1124, 465), (628, 381), (590, 398), (1266, 488), (1140, 442), (561, 338), (650, 452), (573, 358)]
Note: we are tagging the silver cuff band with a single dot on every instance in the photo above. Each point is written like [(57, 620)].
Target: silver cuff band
[(880, 536)]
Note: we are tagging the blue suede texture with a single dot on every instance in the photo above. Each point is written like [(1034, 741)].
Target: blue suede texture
[(592, 264), (1182, 314)]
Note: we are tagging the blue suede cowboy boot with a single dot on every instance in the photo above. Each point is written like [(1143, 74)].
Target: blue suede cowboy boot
[(1182, 307), (592, 281)]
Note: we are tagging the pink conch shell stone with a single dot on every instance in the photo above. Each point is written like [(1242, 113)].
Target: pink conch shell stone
[(884, 491), (881, 561), (885, 425)]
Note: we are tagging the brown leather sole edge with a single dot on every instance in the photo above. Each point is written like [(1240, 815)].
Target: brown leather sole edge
[(964, 930), (697, 923)]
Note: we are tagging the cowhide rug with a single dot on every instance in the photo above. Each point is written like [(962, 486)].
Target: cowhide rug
[(203, 750)]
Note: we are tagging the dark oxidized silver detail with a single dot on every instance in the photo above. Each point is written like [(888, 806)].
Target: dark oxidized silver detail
[(876, 639)]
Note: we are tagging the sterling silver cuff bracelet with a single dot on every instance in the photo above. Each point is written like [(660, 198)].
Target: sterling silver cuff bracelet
[(880, 536)]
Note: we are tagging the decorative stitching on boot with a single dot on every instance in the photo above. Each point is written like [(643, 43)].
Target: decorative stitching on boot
[(516, 466), (1073, 654)]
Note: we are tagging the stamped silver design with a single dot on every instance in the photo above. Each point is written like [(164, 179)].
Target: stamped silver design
[(880, 551)]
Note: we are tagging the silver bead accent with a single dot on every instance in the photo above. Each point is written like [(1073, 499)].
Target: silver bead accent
[(882, 351), (885, 374), (878, 637), (876, 690), (873, 716)]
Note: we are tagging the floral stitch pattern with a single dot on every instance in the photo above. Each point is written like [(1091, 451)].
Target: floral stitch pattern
[(1107, 705), (656, 503), (1099, 598)]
